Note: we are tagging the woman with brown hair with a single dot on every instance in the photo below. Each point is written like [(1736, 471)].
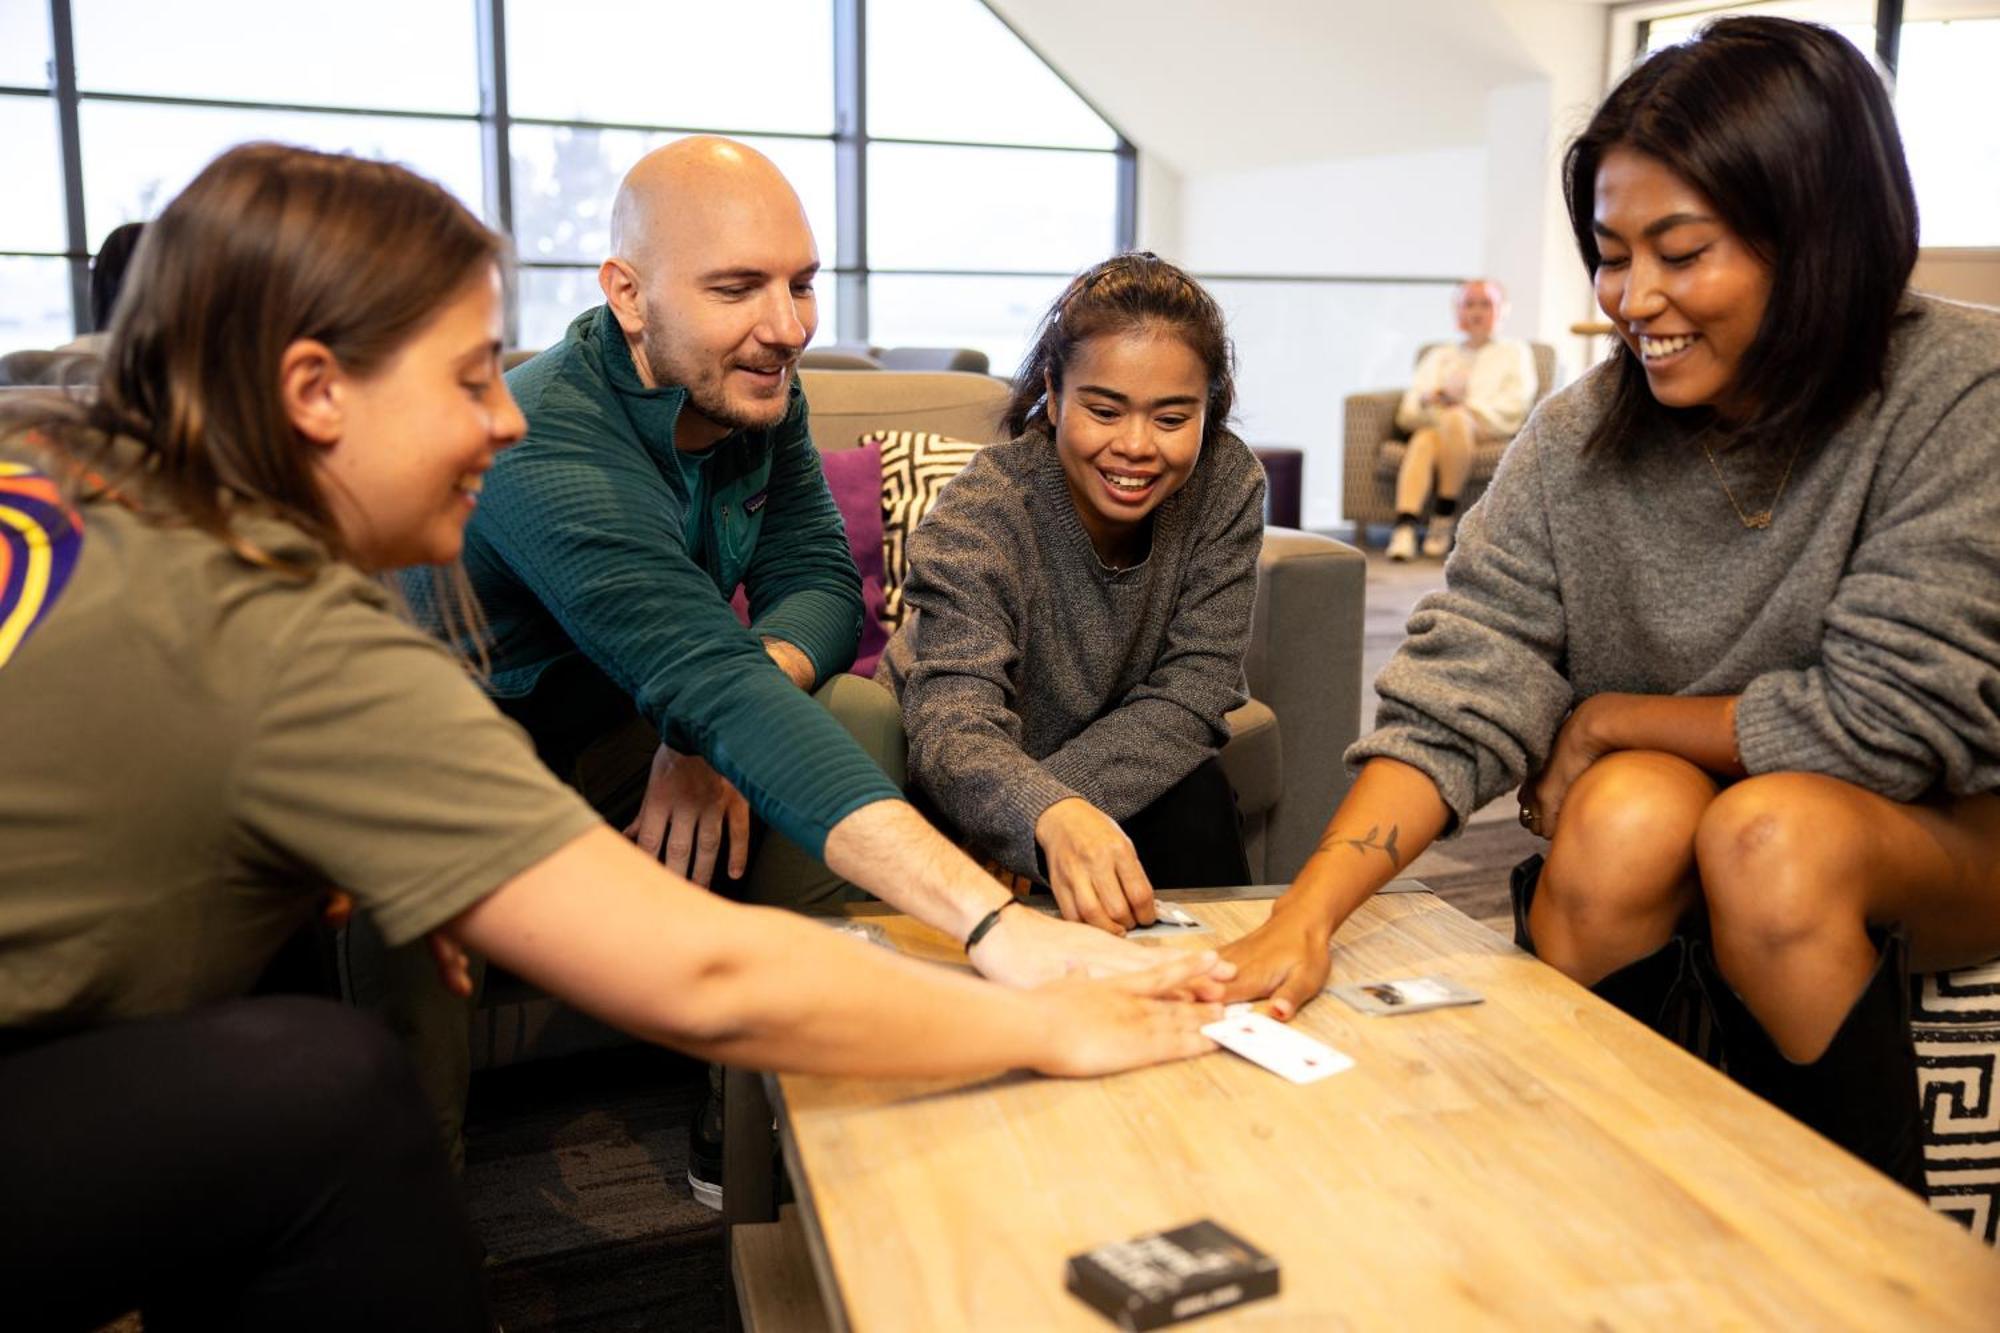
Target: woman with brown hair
[(213, 715), (1729, 616)]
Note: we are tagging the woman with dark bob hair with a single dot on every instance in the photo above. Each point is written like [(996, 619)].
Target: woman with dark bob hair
[(1080, 603), (213, 715), (1730, 614)]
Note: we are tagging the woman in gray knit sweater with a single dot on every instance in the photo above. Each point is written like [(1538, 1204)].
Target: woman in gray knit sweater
[(1080, 602), (1729, 616)]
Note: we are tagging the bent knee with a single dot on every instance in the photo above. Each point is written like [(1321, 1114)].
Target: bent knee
[(1778, 859), (1624, 842)]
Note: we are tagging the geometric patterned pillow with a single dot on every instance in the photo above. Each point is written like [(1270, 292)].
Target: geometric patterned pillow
[(1955, 1022), (915, 467)]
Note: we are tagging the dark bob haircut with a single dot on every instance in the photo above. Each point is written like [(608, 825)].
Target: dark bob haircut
[(1788, 131), (1130, 293)]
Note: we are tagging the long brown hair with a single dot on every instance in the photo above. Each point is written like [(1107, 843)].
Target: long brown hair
[(268, 245)]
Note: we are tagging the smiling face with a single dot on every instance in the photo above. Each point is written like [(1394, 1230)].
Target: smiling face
[(403, 450), (1128, 423), (714, 283), (1685, 293)]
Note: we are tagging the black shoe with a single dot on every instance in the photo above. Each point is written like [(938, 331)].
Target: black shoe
[(1659, 990), (1862, 1091), (705, 1151)]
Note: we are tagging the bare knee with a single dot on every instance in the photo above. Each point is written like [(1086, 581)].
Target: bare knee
[(1624, 843), (1778, 862)]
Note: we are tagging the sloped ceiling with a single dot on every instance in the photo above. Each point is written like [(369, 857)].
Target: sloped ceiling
[(1222, 85)]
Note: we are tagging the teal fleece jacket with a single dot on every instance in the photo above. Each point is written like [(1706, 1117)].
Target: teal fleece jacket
[(587, 542)]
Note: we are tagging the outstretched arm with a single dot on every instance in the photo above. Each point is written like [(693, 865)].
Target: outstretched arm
[(1392, 813), (599, 924)]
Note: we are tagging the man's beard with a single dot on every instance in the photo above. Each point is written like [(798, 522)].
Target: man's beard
[(707, 399)]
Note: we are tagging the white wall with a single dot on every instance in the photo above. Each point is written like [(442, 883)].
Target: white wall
[(1324, 137), (1421, 214)]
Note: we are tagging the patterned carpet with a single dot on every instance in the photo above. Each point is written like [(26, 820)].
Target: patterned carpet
[(576, 1169)]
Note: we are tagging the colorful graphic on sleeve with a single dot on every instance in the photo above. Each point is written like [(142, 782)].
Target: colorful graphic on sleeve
[(40, 540)]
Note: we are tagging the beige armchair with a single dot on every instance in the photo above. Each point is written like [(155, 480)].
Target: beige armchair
[(1375, 448)]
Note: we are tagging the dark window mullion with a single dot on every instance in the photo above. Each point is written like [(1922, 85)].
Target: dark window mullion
[(76, 233), (850, 167)]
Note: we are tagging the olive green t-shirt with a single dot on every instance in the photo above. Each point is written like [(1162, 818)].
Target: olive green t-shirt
[(193, 748)]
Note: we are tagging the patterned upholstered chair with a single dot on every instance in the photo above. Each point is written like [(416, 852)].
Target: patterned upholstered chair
[(1955, 1018), (1375, 448)]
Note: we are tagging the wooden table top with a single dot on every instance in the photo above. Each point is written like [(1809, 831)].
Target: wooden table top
[(1539, 1159)]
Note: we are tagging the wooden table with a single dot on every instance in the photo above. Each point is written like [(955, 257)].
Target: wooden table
[(1537, 1160)]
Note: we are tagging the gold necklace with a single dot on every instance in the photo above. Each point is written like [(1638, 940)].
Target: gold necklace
[(1762, 518)]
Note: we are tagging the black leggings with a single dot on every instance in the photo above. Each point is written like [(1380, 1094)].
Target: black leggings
[(257, 1164), (1191, 836)]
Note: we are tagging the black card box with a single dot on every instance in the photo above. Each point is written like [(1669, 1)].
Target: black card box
[(1162, 1278)]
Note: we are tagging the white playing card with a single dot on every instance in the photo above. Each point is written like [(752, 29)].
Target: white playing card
[(1284, 1051), (1168, 920)]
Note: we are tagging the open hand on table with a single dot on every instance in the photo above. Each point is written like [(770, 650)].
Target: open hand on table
[(1026, 948), (1093, 868), (687, 807), (1285, 962), (1140, 1018)]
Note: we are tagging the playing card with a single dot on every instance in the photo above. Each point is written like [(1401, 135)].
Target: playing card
[(1284, 1051), (1408, 995), (1168, 920), (865, 930)]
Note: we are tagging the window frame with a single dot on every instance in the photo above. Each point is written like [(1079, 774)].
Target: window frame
[(850, 140)]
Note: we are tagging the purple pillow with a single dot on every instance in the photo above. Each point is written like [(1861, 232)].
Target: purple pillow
[(855, 478)]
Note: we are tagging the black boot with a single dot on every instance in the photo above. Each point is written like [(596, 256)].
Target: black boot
[(1658, 990), (1862, 1091)]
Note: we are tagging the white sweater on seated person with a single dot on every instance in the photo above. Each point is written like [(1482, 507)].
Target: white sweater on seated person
[(1496, 382)]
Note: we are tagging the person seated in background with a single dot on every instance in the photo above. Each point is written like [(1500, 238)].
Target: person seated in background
[(107, 277), (1729, 614), (213, 714), (1080, 601), (1463, 393), (667, 463)]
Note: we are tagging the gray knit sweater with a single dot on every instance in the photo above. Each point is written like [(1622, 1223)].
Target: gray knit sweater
[(1030, 673), (1862, 628)]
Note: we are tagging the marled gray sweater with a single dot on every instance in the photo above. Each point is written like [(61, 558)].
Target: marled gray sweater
[(1862, 628), (1030, 673)]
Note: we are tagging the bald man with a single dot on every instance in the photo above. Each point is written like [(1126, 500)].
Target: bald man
[(666, 463), (1464, 394)]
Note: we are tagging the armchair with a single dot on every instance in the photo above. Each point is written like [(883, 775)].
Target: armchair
[(1375, 448)]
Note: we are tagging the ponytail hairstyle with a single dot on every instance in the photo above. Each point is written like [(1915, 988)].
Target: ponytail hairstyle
[(1138, 292)]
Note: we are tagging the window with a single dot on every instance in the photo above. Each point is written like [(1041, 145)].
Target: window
[(682, 64), (387, 55), (990, 181), (33, 217), (1949, 132), (137, 156), (1946, 51), (942, 147), (24, 46), (993, 90), (931, 206), (34, 302)]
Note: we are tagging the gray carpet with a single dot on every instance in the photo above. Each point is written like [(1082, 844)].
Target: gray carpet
[(576, 1169)]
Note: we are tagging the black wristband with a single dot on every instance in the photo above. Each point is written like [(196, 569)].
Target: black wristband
[(986, 923)]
